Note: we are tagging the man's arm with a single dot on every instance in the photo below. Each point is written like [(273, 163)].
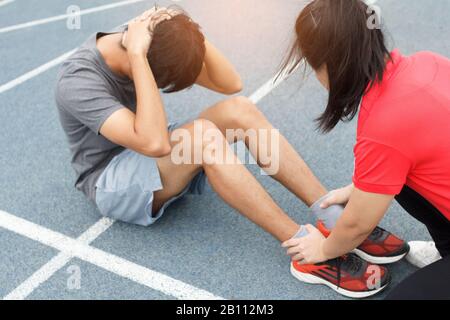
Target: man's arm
[(218, 74), (146, 131)]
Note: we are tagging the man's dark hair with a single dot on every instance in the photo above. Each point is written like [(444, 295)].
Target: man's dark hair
[(335, 34), (177, 53)]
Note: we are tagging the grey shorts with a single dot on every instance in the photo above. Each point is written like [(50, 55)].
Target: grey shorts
[(125, 189)]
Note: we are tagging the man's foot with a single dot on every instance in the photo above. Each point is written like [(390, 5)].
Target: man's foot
[(422, 253), (381, 247), (349, 275)]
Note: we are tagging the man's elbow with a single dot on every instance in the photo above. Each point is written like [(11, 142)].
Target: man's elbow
[(235, 87), (238, 86), (157, 150)]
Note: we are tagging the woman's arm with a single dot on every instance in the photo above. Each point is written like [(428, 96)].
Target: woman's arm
[(218, 74), (362, 214)]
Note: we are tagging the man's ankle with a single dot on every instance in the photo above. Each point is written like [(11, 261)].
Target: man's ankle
[(302, 232), (329, 216)]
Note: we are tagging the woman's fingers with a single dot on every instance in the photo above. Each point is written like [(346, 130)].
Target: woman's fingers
[(292, 251), (329, 201), (290, 243), (298, 257), (339, 196), (303, 261), (306, 250)]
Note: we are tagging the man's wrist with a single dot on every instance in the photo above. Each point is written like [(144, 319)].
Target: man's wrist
[(136, 55)]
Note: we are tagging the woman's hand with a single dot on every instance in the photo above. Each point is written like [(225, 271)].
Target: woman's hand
[(308, 249), (338, 196)]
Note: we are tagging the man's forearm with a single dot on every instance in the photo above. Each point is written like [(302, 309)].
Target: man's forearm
[(151, 120), (220, 71)]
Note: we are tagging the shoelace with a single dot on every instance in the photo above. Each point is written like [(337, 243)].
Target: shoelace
[(349, 263)]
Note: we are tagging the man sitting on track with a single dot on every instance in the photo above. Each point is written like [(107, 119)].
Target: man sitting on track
[(133, 164)]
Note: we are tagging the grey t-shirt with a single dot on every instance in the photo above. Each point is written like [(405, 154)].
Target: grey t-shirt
[(87, 93)]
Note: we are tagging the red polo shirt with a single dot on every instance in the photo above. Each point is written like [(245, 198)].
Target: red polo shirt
[(404, 130)]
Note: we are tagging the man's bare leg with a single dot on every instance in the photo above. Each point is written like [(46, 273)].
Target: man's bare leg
[(232, 181), (293, 173)]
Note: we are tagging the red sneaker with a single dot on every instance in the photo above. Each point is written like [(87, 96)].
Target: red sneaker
[(381, 247), (349, 276)]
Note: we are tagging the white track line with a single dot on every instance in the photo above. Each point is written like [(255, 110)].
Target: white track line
[(112, 263), (5, 2), (266, 88), (56, 263), (67, 15), (33, 73)]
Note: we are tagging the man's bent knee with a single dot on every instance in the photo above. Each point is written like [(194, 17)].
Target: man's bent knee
[(241, 112), (191, 141)]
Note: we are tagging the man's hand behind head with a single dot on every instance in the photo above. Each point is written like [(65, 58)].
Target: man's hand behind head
[(139, 42)]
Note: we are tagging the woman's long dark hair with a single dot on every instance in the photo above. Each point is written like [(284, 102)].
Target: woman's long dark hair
[(336, 34)]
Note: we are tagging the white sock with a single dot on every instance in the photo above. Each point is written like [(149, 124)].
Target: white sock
[(302, 232), (328, 216)]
